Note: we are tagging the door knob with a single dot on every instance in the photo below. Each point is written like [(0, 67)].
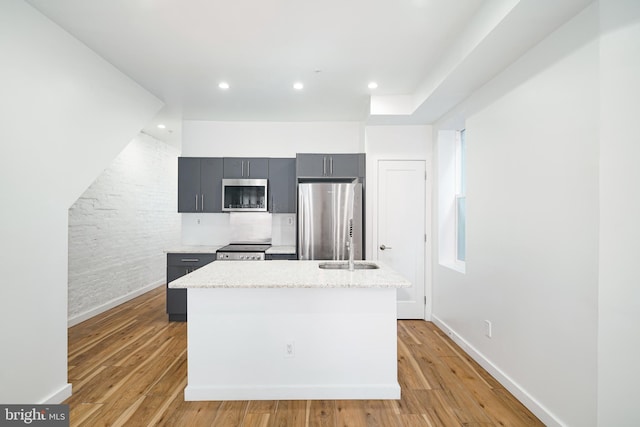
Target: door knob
[(383, 247)]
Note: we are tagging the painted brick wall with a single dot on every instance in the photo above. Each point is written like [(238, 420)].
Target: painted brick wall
[(120, 226)]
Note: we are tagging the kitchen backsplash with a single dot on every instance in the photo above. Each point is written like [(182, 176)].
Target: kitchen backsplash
[(215, 229), (284, 229)]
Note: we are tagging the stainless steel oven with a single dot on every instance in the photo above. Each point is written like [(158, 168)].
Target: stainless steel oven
[(242, 252)]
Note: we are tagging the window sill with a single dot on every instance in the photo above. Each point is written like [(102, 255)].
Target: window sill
[(459, 266)]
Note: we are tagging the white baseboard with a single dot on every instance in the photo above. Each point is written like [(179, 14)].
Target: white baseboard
[(294, 392), (58, 397), (527, 400), (110, 304)]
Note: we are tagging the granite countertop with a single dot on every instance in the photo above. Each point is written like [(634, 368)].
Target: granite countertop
[(198, 249), (282, 250), (195, 249), (287, 274)]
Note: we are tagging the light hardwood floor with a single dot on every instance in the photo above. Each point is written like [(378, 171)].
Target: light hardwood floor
[(128, 367)]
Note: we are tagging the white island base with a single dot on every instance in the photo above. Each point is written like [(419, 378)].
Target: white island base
[(292, 343)]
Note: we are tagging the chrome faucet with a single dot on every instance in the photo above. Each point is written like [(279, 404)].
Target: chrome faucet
[(352, 266)]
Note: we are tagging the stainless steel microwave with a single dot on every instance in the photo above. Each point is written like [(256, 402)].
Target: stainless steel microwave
[(244, 195)]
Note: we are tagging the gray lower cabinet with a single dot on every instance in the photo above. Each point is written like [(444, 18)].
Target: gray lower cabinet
[(200, 184), (246, 167), (271, 257), (178, 265), (351, 165), (282, 185)]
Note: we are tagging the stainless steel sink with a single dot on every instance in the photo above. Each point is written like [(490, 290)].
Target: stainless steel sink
[(345, 266)]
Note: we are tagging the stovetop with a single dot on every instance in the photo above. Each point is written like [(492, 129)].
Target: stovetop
[(237, 247)]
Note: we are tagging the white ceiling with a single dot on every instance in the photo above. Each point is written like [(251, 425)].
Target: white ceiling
[(180, 50)]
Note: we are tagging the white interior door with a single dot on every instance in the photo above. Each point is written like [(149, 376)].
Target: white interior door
[(401, 229)]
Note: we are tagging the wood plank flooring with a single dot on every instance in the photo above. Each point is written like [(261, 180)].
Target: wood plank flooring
[(128, 367)]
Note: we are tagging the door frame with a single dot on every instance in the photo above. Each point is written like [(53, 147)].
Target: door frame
[(372, 216)]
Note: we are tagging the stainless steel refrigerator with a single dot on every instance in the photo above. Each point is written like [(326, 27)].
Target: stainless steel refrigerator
[(324, 211)]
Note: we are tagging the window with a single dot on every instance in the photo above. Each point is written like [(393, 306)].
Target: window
[(461, 200), (452, 201)]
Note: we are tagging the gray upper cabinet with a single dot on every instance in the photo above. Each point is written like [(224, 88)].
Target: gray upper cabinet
[(282, 185), (188, 183), (211, 169), (346, 165), (200, 184), (311, 165), (246, 167), (330, 165)]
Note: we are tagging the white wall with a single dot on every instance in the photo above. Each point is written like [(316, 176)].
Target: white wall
[(619, 288), (532, 227), (65, 114), (269, 139), (120, 227)]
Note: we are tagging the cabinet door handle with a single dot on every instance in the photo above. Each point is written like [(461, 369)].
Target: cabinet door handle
[(190, 259), (196, 202), (324, 165), (331, 166), (248, 168), (383, 247), (202, 204), (242, 168)]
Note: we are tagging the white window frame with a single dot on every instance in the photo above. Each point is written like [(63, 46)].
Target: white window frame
[(450, 189), (461, 193)]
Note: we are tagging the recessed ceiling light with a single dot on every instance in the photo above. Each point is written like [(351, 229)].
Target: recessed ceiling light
[(223, 85), (161, 126), (298, 86), (372, 85)]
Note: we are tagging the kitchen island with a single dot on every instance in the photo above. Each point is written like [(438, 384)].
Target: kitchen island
[(281, 330)]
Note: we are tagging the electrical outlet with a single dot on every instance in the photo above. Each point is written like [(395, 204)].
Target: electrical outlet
[(290, 349), (487, 328), (290, 220)]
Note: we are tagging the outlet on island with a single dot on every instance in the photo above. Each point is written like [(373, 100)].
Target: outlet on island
[(290, 349)]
